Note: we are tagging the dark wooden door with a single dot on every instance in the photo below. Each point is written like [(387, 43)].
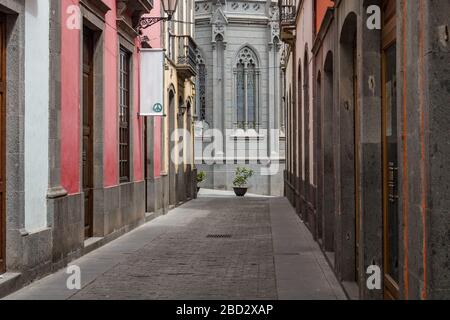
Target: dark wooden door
[(88, 131), (356, 157), (390, 155), (2, 143)]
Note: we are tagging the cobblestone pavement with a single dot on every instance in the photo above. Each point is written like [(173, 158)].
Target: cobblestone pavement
[(215, 247)]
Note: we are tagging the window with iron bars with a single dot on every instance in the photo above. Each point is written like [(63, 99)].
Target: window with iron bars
[(124, 115)]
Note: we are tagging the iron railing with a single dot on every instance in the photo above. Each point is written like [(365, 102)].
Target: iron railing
[(187, 59), (288, 12)]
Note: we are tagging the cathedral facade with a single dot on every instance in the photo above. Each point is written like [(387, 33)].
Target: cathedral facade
[(240, 119)]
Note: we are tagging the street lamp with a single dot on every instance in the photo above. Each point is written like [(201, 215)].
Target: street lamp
[(169, 7)]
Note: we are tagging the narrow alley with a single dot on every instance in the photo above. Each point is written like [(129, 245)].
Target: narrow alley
[(224, 149), (214, 247)]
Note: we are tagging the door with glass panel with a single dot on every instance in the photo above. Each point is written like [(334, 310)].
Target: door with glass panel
[(390, 153)]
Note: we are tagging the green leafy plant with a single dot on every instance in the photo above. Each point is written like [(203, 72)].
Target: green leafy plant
[(201, 176), (242, 176)]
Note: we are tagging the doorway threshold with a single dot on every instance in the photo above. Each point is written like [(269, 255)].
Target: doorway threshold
[(9, 282), (90, 244), (149, 216)]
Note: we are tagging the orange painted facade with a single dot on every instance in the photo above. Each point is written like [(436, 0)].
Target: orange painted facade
[(321, 9)]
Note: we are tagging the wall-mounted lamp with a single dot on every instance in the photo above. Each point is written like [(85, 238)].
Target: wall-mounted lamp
[(169, 7), (182, 110)]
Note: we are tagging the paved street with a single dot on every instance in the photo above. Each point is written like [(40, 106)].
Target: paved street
[(215, 247)]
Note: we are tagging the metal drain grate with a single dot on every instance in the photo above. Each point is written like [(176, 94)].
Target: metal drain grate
[(219, 236)]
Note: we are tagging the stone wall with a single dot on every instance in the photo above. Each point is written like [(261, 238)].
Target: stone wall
[(221, 33)]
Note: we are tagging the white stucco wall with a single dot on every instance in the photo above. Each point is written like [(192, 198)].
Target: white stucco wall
[(36, 112)]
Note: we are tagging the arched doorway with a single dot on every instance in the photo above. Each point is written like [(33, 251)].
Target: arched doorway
[(188, 147), (298, 144), (317, 156), (349, 141), (328, 176), (172, 168), (180, 152), (309, 210)]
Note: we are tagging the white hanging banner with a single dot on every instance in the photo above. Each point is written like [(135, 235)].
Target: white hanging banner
[(152, 82)]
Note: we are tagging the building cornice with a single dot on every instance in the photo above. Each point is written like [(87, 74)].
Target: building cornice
[(99, 8)]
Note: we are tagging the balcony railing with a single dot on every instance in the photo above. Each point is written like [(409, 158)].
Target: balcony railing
[(288, 12), (187, 59), (288, 15)]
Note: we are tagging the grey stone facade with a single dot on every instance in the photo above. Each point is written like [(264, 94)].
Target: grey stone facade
[(229, 34), (349, 144)]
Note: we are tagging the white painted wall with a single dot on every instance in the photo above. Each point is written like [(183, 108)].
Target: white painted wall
[(36, 112)]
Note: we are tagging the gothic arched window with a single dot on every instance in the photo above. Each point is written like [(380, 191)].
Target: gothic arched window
[(247, 86)]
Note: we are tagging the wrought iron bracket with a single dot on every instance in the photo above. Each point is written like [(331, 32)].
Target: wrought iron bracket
[(144, 23)]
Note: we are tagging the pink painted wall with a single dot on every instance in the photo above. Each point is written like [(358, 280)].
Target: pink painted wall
[(110, 116), (154, 35), (138, 126), (154, 32), (70, 103)]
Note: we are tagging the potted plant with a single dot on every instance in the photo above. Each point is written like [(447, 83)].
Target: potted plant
[(201, 176), (240, 182)]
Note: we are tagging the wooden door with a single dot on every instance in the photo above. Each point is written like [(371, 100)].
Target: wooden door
[(390, 154), (356, 157), (2, 143), (88, 130)]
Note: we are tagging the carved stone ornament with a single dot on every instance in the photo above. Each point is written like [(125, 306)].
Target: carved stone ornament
[(219, 22), (274, 26)]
